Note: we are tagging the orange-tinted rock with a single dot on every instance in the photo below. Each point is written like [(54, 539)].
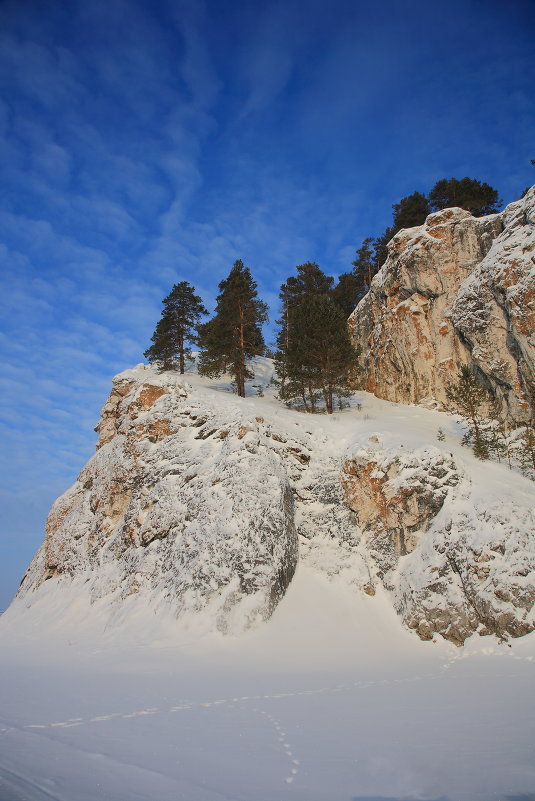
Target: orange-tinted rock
[(457, 290), (149, 395)]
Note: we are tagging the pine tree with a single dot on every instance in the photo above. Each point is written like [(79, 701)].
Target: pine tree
[(469, 396), (347, 293), (380, 249), (320, 354), (178, 326), (352, 286), (480, 446), (526, 451), (295, 380), (310, 281), (234, 334), (467, 193), (497, 434), (365, 266), (410, 211)]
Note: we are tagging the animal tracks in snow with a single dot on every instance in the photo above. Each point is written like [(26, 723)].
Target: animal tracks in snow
[(270, 707), (187, 705), (282, 739)]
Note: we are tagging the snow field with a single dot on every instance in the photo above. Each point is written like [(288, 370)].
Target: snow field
[(339, 705)]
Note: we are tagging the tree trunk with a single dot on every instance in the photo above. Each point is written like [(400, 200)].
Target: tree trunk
[(304, 397), (474, 423), (312, 399), (328, 395), (241, 382), (181, 354)]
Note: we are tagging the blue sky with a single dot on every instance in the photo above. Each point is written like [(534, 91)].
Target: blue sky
[(143, 143)]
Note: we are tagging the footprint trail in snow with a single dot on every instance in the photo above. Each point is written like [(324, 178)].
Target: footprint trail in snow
[(187, 705)]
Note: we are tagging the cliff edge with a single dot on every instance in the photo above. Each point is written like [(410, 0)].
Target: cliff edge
[(456, 290)]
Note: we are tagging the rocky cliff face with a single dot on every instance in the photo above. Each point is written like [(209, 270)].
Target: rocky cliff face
[(180, 502), (202, 502), (457, 290), (455, 562)]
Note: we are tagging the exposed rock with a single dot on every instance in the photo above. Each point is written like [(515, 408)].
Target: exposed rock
[(156, 510), (457, 290), (395, 499), (454, 564)]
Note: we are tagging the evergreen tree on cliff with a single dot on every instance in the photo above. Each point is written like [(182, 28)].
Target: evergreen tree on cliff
[(315, 355), (352, 286), (468, 395), (467, 193), (410, 211), (320, 355), (347, 292), (380, 249), (364, 266), (234, 334), (176, 328), (310, 281)]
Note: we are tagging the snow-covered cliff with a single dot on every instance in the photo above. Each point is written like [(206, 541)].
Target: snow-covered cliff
[(198, 502), (457, 290)]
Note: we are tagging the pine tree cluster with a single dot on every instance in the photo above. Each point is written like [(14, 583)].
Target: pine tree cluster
[(229, 339), (315, 357)]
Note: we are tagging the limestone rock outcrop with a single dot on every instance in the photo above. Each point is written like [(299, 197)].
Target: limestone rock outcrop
[(454, 562), (180, 503), (456, 290)]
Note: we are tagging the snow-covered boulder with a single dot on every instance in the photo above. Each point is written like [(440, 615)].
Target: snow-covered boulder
[(456, 290), (180, 503), (454, 560)]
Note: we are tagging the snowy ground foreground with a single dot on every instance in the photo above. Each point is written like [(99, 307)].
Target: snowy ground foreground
[(331, 699)]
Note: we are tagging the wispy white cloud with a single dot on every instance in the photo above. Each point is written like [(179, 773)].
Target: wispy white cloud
[(196, 67), (42, 73)]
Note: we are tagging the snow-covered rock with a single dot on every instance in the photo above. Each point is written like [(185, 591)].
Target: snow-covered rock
[(456, 290), (454, 562), (199, 502), (180, 503)]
